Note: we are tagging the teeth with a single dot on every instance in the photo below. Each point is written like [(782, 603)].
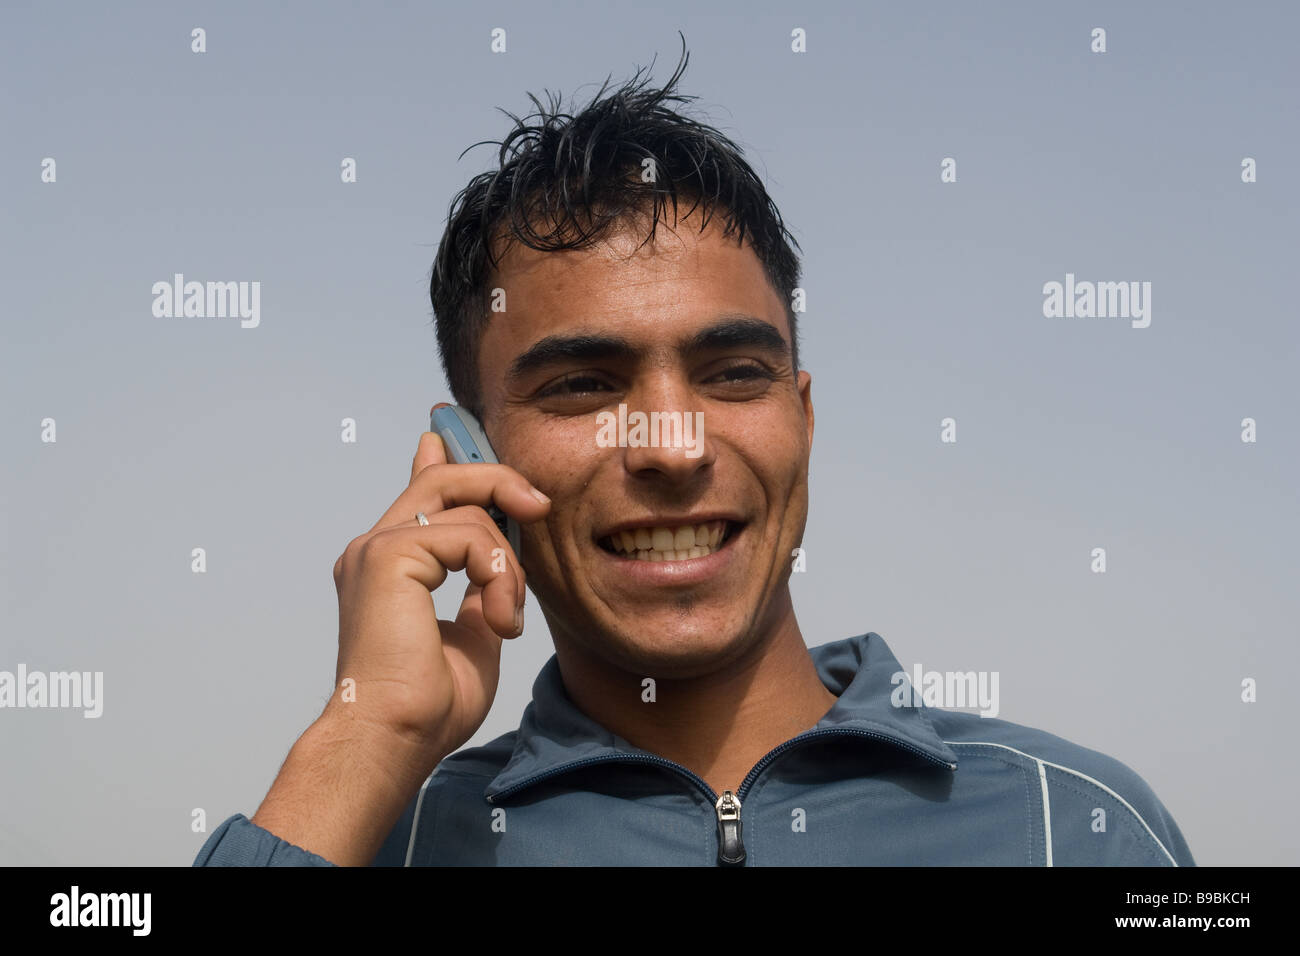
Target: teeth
[(669, 544)]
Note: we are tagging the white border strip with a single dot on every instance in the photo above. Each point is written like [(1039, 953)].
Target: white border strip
[(1042, 775), (415, 820), (1047, 810)]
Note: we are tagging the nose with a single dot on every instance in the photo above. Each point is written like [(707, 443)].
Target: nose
[(666, 430)]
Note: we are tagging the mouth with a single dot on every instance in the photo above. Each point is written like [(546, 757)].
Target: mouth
[(670, 542)]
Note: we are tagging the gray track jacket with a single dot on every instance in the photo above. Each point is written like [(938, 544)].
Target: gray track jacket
[(873, 783)]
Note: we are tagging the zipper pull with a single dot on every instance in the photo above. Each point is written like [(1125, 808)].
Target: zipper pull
[(731, 850)]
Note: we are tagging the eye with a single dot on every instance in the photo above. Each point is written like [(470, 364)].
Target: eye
[(743, 372), (572, 386)]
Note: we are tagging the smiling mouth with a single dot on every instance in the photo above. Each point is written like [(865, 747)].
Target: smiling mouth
[(664, 543)]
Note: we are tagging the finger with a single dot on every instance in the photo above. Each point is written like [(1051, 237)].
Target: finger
[(435, 549), (438, 488), (473, 651), (430, 451), (503, 556), (470, 615)]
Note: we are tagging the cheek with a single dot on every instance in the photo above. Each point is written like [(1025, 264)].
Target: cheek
[(781, 461), (785, 483), (557, 457), (561, 460)]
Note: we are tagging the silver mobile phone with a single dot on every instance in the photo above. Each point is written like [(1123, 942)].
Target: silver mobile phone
[(467, 444)]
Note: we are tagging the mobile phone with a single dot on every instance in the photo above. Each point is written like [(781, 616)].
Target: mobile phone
[(467, 444)]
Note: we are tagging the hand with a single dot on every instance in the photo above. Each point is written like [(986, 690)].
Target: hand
[(422, 680)]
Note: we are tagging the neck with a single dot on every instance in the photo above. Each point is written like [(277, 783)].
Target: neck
[(717, 725)]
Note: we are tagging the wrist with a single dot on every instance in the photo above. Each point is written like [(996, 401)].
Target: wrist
[(403, 756)]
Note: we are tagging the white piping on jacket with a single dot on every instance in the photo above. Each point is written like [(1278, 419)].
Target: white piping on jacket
[(1043, 777), (1047, 809), (415, 820)]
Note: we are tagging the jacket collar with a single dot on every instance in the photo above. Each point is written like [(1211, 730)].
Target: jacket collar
[(858, 670)]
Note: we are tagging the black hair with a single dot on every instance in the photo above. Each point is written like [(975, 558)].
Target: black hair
[(581, 175)]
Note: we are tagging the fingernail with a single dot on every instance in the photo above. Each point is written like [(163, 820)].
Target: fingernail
[(539, 496), (519, 621)]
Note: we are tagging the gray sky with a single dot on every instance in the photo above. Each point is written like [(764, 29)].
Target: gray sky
[(925, 301)]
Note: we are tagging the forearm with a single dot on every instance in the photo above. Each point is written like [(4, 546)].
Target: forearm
[(342, 789)]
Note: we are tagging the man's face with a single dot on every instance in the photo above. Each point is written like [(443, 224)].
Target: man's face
[(631, 327)]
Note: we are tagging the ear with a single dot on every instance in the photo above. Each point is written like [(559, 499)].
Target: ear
[(805, 396)]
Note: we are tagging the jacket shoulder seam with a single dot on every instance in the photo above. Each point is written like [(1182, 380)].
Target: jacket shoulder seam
[(1152, 854), (1081, 775), (1044, 817)]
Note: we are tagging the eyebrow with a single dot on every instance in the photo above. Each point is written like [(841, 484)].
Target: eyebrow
[(729, 331)]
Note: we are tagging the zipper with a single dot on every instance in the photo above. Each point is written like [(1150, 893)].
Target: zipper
[(731, 847)]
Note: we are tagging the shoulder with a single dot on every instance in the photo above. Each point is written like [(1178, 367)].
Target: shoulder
[(1098, 809), (973, 735)]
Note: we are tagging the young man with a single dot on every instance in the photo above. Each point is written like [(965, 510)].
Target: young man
[(682, 719)]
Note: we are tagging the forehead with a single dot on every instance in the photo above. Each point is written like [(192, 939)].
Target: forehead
[(650, 292)]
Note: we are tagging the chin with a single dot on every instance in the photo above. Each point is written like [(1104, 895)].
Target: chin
[(678, 649)]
